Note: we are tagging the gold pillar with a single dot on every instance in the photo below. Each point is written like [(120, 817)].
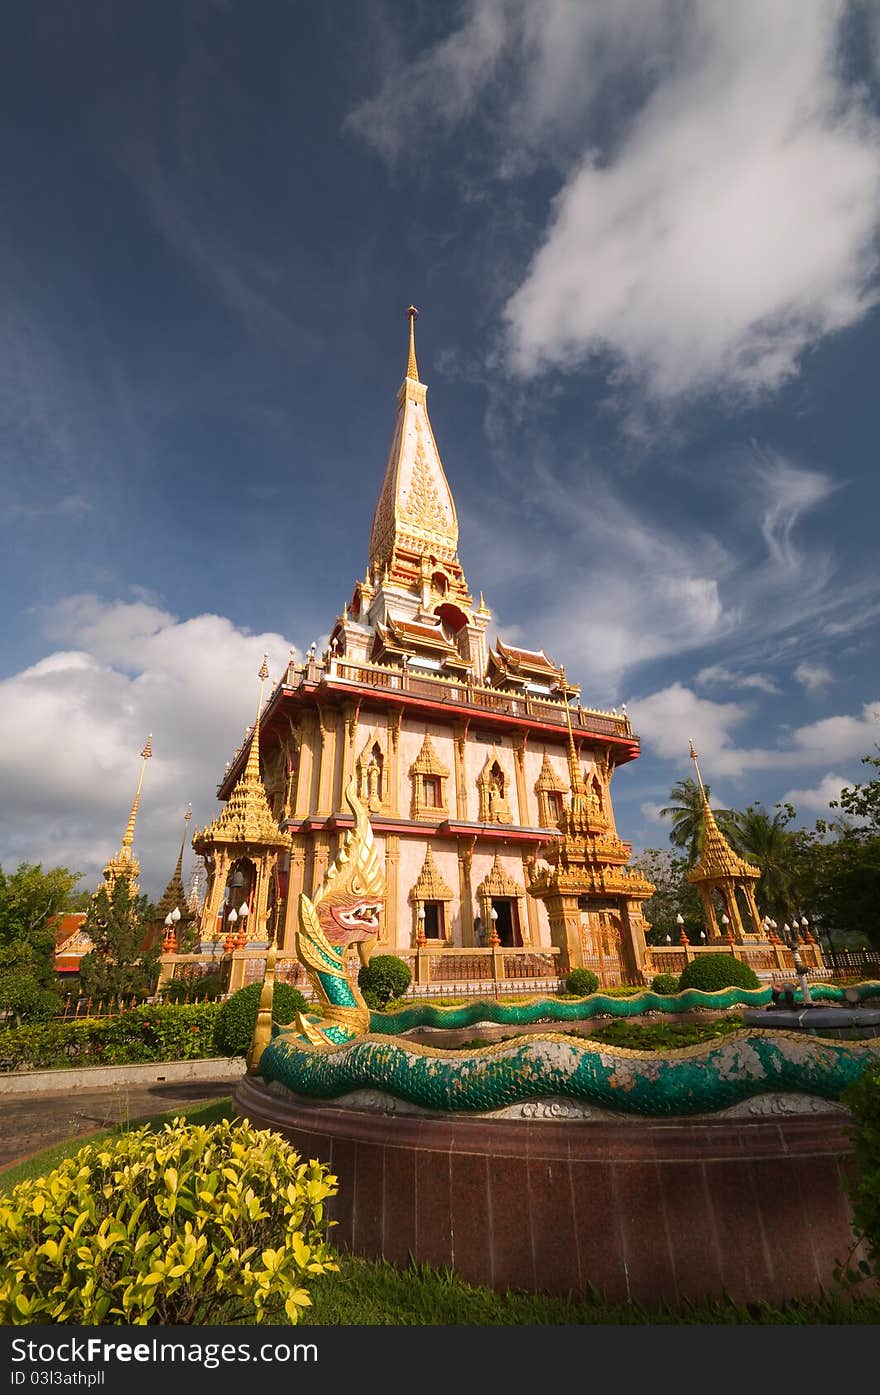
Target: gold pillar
[(320, 860), (565, 929), (465, 864), (749, 891), (709, 909), (729, 899), (388, 925), (350, 711), (533, 936), (305, 800), (519, 771), (214, 898), (295, 886), (633, 937), (328, 720), (461, 794), (393, 796)]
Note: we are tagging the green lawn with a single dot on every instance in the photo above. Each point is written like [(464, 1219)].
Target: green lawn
[(374, 1293)]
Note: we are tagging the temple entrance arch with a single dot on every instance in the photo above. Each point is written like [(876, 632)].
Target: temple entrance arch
[(507, 925)]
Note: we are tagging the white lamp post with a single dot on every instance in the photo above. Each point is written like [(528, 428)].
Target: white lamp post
[(493, 916), (421, 938)]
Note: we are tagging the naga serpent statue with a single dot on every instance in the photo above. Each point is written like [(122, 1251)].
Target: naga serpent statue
[(335, 1053)]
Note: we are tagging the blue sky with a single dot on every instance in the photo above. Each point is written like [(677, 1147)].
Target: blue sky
[(643, 237)]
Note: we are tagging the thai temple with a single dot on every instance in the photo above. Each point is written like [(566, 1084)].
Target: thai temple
[(488, 782)]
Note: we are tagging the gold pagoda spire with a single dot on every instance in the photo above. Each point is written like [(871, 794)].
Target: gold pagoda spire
[(124, 862), (717, 858), (174, 893), (578, 804), (412, 367), (247, 817)]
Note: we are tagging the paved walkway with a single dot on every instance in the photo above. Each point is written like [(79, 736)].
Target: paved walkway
[(29, 1123)]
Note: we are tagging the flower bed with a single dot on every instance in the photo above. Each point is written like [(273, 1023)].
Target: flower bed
[(183, 1032)]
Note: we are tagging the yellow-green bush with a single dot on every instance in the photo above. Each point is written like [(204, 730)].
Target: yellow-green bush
[(191, 1225)]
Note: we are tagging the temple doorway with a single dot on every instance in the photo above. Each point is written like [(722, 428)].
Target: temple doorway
[(507, 924)]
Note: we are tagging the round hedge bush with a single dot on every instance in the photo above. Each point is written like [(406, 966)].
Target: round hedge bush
[(384, 978), (712, 972), (581, 982), (237, 1018), (665, 983), (194, 1224)]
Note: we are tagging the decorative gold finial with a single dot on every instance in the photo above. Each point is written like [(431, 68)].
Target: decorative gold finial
[(697, 768), (412, 367), (128, 836), (264, 670), (189, 813)]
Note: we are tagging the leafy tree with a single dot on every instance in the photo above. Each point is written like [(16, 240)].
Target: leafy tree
[(687, 812), (29, 897), (841, 881), (117, 923), (22, 998), (776, 850), (863, 801), (673, 895)]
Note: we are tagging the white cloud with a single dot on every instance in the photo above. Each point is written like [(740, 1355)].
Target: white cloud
[(669, 718), (716, 675), (814, 678), (722, 224), (71, 727), (817, 799), (733, 227)]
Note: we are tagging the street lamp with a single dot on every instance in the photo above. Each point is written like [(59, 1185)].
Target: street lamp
[(669, 939), (421, 938), (493, 916)]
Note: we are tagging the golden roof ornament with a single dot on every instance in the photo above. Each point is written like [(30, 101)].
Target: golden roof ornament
[(125, 863), (247, 817), (174, 893), (717, 860), (412, 367)]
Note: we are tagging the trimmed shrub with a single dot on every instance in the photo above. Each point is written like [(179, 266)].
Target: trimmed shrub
[(665, 983), (384, 978), (196, 1224), (863, 1098), (237, 1017), (207, 988), (581, 982), (145, 1033), (712, 972)]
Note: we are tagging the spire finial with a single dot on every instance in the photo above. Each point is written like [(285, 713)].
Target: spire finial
[(412, 367), (253, 760), (699, 776), (128, 836)]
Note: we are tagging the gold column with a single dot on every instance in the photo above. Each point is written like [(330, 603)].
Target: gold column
[(263, 867), (388, 928), (534, 932), (295, 886), (214, 898), (461, 795), (753, 909), (465, 863), (394, 721), (709, 908), (633, 938), (565, 929), (519, 770), (320, 860), (351, 712), (307, 765), (328, 719), (732, 910)]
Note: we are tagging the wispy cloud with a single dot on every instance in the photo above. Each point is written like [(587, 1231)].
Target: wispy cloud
[(706, 239), (814, 678), (716, 675)]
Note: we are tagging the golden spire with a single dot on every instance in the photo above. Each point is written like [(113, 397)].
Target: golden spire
[(578, 804), (174, 893), (124, 863), (699, 776), (247, 817), (128, 835), (717, 858), (412, 367)]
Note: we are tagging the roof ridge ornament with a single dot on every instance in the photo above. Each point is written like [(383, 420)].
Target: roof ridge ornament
[(412, 367)]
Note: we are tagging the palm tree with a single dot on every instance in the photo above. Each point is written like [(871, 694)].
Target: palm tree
[(687, 812), (769, 845)]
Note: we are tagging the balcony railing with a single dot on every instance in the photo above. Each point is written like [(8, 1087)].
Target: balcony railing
[(469, 695)]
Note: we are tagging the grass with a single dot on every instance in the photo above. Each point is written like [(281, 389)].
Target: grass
[(375, 1293)]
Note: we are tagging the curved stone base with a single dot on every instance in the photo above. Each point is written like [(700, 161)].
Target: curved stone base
[(647, 1211)]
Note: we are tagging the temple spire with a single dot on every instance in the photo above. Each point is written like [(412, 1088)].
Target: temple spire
[(253, 760), (699, 776), (124, 862), (174, 894), (412, 367)]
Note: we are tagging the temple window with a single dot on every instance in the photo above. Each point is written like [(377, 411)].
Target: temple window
[(555, 804), (429, 783), (434, 920)]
